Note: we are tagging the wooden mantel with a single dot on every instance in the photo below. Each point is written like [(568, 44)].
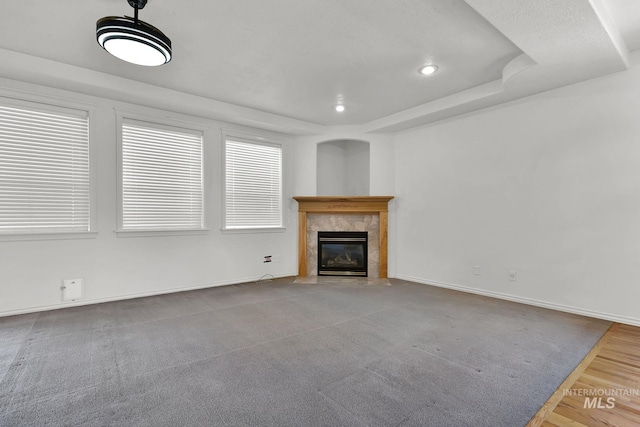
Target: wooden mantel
[(356, 205)]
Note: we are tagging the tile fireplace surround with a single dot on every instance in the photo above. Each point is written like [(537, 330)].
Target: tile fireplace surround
[(343, 213)]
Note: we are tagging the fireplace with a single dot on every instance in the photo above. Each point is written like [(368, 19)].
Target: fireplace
[(343, 213), (342, 253)]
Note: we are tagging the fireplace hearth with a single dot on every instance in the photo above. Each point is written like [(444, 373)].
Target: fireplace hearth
[(342, 253)]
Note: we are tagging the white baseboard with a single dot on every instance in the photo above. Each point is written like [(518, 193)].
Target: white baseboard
[(538, 303), (138, 295)]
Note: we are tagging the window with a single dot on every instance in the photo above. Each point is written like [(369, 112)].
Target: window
[(253, 184), (44, 169), (161, 178)]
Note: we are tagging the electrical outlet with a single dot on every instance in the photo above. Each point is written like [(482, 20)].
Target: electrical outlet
[(267, 258), (513, 275), (476, 270)]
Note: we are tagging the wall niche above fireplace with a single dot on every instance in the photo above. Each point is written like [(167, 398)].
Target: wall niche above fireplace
[(343, 168)]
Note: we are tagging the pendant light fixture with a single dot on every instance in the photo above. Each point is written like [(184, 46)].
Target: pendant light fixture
[(133, 40)]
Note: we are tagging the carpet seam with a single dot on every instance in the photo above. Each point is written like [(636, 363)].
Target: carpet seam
[(263, 342)]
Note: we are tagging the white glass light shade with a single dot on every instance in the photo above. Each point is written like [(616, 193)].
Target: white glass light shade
[(133, 41)]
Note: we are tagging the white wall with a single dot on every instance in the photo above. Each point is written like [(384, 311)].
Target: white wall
[(117, 267), (358, 166), (330, 169), (548, 186)]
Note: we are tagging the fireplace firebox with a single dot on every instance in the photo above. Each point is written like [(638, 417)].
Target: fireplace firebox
[(342, 253)]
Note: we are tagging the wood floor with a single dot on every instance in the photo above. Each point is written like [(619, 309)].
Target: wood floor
[(604, 390)]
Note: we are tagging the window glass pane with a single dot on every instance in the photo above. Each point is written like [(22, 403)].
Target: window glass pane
[(161, 178), (253, 185), (44, 170)]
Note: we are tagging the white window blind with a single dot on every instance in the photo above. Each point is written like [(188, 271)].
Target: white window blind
[(161, 177), (253, 185), (44, 169)]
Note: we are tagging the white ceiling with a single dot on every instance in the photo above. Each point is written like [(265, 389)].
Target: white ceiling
[(298, 58)]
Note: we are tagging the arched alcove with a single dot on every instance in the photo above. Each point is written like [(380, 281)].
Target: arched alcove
[(343, 168)]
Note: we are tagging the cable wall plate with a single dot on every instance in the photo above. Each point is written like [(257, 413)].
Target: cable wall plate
[(72, 289)]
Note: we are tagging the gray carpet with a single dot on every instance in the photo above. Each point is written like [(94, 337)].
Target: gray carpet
[(289, 354)]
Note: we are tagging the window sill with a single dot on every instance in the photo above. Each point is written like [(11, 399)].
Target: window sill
[(161, 233), (253, 230), (49, 236)]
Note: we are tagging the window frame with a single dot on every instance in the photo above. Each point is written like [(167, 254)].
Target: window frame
[(250, 138), (159, 122), (37, 102)]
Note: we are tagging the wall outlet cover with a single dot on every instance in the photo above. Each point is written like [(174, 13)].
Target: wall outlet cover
[(72, 289)]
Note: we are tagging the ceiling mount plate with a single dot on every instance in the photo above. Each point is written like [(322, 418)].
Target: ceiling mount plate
[(140, 4)]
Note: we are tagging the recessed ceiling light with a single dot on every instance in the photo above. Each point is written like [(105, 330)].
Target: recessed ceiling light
[(339, 108), (428, 70)]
